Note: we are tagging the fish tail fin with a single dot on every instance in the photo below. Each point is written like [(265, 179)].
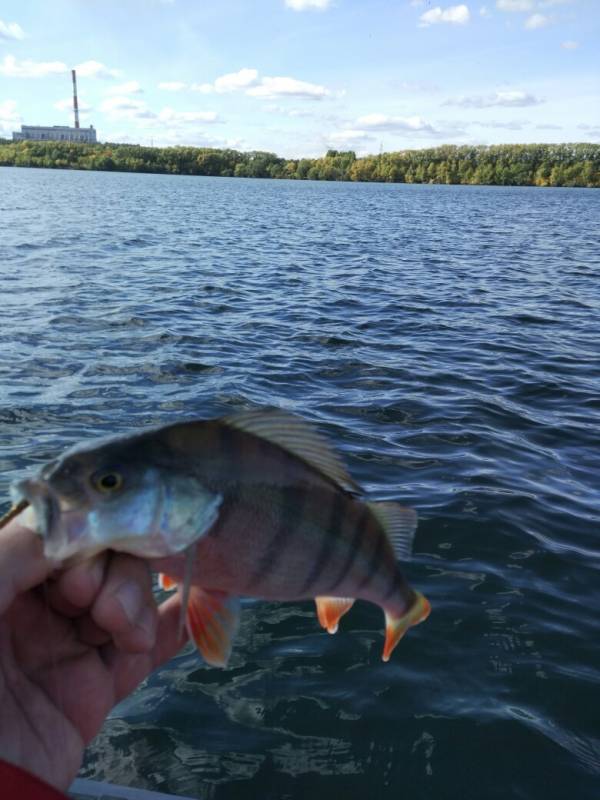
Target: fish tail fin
[(213, 619), (331, 609), (397, 625)]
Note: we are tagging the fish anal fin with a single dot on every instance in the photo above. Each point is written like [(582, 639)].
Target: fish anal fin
[(299, 438), (399, 523), (166, 583), (331, 609), (213, 620), (396, 626)]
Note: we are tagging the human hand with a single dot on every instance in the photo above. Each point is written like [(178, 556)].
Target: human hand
[(72, 645)]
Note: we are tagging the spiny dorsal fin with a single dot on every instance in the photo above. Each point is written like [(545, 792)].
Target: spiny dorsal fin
[(400, 524), (297, 437)]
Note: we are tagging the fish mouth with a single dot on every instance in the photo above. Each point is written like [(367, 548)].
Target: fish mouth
[(40, 498)]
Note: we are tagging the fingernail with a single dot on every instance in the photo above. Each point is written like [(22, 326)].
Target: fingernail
[(129, 595)]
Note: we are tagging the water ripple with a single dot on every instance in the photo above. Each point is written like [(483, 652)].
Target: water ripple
[(446, 339)]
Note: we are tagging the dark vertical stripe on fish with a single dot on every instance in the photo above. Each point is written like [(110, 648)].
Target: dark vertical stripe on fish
[(330, 541), (226, 438), (375, 558), (354, 546), (290, 516), (394, 584)]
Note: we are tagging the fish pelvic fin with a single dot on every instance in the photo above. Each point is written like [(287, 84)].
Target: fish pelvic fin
[(399, 523), (396, 626), (331, 609), (213, 619), (166, 583)]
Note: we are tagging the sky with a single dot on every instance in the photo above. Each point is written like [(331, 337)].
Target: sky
[(299, 77)]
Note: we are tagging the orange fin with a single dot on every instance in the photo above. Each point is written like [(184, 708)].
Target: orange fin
[(396, 627), (212, 621), (166, 583), (331, 609)]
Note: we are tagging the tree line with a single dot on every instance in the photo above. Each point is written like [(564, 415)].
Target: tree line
[(498, 165)]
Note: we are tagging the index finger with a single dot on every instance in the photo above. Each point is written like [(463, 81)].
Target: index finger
[(23, 564)]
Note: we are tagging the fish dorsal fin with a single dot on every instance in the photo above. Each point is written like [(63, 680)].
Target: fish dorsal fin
[(297, 437), (399, 523)]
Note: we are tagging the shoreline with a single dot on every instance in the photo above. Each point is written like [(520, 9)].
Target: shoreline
[(540, 165)]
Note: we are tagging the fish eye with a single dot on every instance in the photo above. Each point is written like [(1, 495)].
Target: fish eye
[(107, 482)]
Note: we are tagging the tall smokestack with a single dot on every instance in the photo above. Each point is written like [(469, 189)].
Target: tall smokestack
[(75, 106)]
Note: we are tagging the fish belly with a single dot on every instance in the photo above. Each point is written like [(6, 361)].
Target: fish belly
[(296, 543)]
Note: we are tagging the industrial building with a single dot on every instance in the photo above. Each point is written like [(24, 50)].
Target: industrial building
[(59, 133), (55, 133)]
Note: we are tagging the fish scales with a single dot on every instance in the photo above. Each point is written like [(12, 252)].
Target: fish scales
[(253, 504), (298, 539)]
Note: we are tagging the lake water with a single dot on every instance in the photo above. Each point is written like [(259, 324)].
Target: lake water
[(447, 339)]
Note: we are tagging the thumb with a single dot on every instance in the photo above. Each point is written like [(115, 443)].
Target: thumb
[(22, 561)]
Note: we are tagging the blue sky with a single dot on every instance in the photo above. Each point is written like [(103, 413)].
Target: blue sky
[(297, 77)]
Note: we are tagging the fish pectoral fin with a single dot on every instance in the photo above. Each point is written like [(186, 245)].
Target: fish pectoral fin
[(213, 619), (331, 609), (396, 626), (166, 583)]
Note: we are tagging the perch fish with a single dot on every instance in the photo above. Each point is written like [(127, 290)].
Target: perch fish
[(253, 504)]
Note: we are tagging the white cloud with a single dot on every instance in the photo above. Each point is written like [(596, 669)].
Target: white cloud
[(383, 122), (11, 30), (287, 87), (12, 68), (126, 107), (537, 21), (172, 86), (67, 105), (129, 87), (457, 15), (304, 5), (421, 87), (569, 45), (95, 69), (288, 112), (170, 115), (549, 127), (231, 82), (509, 99), (248, 80), (593, 131), (514, 125), (350, 136), (515, 5), (9, 118), (236, 80), (204, 88)]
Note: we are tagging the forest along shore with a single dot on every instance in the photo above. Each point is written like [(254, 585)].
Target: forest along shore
[(494, 165)]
